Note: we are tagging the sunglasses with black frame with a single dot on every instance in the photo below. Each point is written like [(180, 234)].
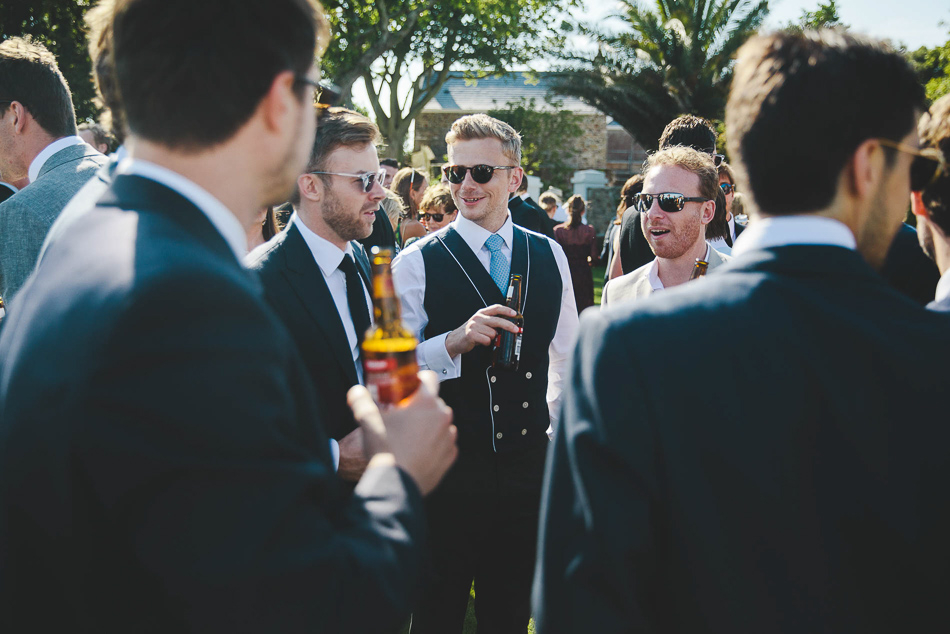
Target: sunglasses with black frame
[(670, 202), (424, 216), (481, 174)]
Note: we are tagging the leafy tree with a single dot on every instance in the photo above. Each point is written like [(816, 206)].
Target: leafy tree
[(58, 25), (825, 16), (485, 36), (673, 59), (933, 68), (547, 137)]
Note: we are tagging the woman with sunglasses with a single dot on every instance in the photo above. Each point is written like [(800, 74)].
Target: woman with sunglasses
[(410, 185), (580, 246), (437, 208)]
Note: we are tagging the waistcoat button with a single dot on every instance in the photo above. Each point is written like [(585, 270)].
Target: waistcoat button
[(527, 375), (525, 405), (498, 435), (495, 408), (524, 432)]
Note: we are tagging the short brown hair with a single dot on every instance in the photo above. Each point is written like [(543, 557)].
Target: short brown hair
[(438, 196), (634, 185), (934, 131), (480, 126), (691, 131), (809, 100), (726, 170), (99, 134), (337, 127), (30, 76), (190, 74)]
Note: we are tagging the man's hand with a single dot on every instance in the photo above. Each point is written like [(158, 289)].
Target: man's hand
[(419, 435), (480, 330), (352, 456)]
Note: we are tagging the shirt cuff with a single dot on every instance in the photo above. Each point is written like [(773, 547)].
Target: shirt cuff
[(433, 356), (335, 452)]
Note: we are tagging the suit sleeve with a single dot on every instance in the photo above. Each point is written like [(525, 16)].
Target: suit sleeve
[(206, 450), (597, 551)]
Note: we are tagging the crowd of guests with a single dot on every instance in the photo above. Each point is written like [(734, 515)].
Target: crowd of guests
[(187, 441)]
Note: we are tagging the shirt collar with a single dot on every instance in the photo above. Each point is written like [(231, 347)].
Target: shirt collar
[(48, 151), (327, 254), (654, 273), (764, 233), (943, 287), (475, 236), (220, 216)]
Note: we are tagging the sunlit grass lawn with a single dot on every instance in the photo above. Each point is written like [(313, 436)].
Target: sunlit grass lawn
[(599, 272)]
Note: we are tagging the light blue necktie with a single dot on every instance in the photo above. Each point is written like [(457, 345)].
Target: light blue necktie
[(499, 266)]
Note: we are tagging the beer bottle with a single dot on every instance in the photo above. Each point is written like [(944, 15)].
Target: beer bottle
[(507, 351), (699, 269), (390, 370)]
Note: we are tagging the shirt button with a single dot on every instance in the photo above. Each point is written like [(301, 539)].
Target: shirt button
[(498, 435), (444, 371), (527, 375), (525, 405), (495, 408), (493, 379), (524, 432)]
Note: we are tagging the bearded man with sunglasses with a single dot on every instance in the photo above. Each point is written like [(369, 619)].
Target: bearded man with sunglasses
[(483, 519), (816, 501), (316, 275), (678, 201)]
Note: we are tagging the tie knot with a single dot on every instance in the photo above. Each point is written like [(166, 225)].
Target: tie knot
[(347, 264), (494, 242)]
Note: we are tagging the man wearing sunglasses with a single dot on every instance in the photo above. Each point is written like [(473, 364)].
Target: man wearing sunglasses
[(676, 205), (483, 519), (316, 275), (930, 196), (816, 499)]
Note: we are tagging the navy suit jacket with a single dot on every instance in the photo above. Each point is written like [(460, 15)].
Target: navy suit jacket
[(816, 502), (295, 288), (530, 216), (163, 465)]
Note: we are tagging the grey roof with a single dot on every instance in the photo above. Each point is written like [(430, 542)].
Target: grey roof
[(479, 95)]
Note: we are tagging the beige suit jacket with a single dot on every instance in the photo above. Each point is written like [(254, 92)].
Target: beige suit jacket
[(637, 283)]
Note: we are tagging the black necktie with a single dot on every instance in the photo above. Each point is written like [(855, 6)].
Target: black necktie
[(729, 235), (355, 297)]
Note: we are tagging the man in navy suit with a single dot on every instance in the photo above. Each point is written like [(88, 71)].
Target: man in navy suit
[(164, 463), (816, 501), (930, 199), (316, 275)]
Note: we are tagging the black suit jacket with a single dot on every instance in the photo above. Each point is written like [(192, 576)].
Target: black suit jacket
[(908, 269), (530, 217), (295, 288), (383, 235), (163, 466), (813, 503), (635, 251)]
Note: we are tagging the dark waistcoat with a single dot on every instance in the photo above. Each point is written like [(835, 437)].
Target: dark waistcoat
[(495, 410)]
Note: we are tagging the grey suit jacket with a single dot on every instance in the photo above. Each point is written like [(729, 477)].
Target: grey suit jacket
[(637, 283), (26, 216)]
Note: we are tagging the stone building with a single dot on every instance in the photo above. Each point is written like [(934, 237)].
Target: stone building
[(604, 145)]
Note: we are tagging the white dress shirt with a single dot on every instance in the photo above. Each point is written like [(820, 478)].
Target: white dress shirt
[(40, 160), (785, 230), (220, 216), (654, 273), (943, 287), (328, 257), (409, 278)]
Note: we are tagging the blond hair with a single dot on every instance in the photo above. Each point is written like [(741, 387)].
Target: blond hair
[(480, 126), (393, 206)]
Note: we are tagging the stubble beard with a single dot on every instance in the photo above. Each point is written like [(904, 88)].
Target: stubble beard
[(344, 224)]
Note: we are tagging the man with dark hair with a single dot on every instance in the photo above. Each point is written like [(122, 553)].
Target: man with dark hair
[(528, 214), (816, 501), (930, 196), (690, 131), (38, 142), (677, 203), (390, 166), (164, 464), (316, 275)]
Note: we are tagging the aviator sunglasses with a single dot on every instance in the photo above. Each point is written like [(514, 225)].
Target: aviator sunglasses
[(669, 202), (481, 174)]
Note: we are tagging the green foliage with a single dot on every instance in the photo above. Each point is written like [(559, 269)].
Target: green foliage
[(933, 68), (58, 25), (483, 36), (548, 134), (673, 59), (823, 17)]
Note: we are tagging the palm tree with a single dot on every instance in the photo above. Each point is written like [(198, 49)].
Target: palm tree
[(674, 59)]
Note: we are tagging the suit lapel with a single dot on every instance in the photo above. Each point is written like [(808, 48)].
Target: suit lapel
[(306, 279)]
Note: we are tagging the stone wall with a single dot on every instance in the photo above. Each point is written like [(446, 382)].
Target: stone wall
[(602, 207)]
